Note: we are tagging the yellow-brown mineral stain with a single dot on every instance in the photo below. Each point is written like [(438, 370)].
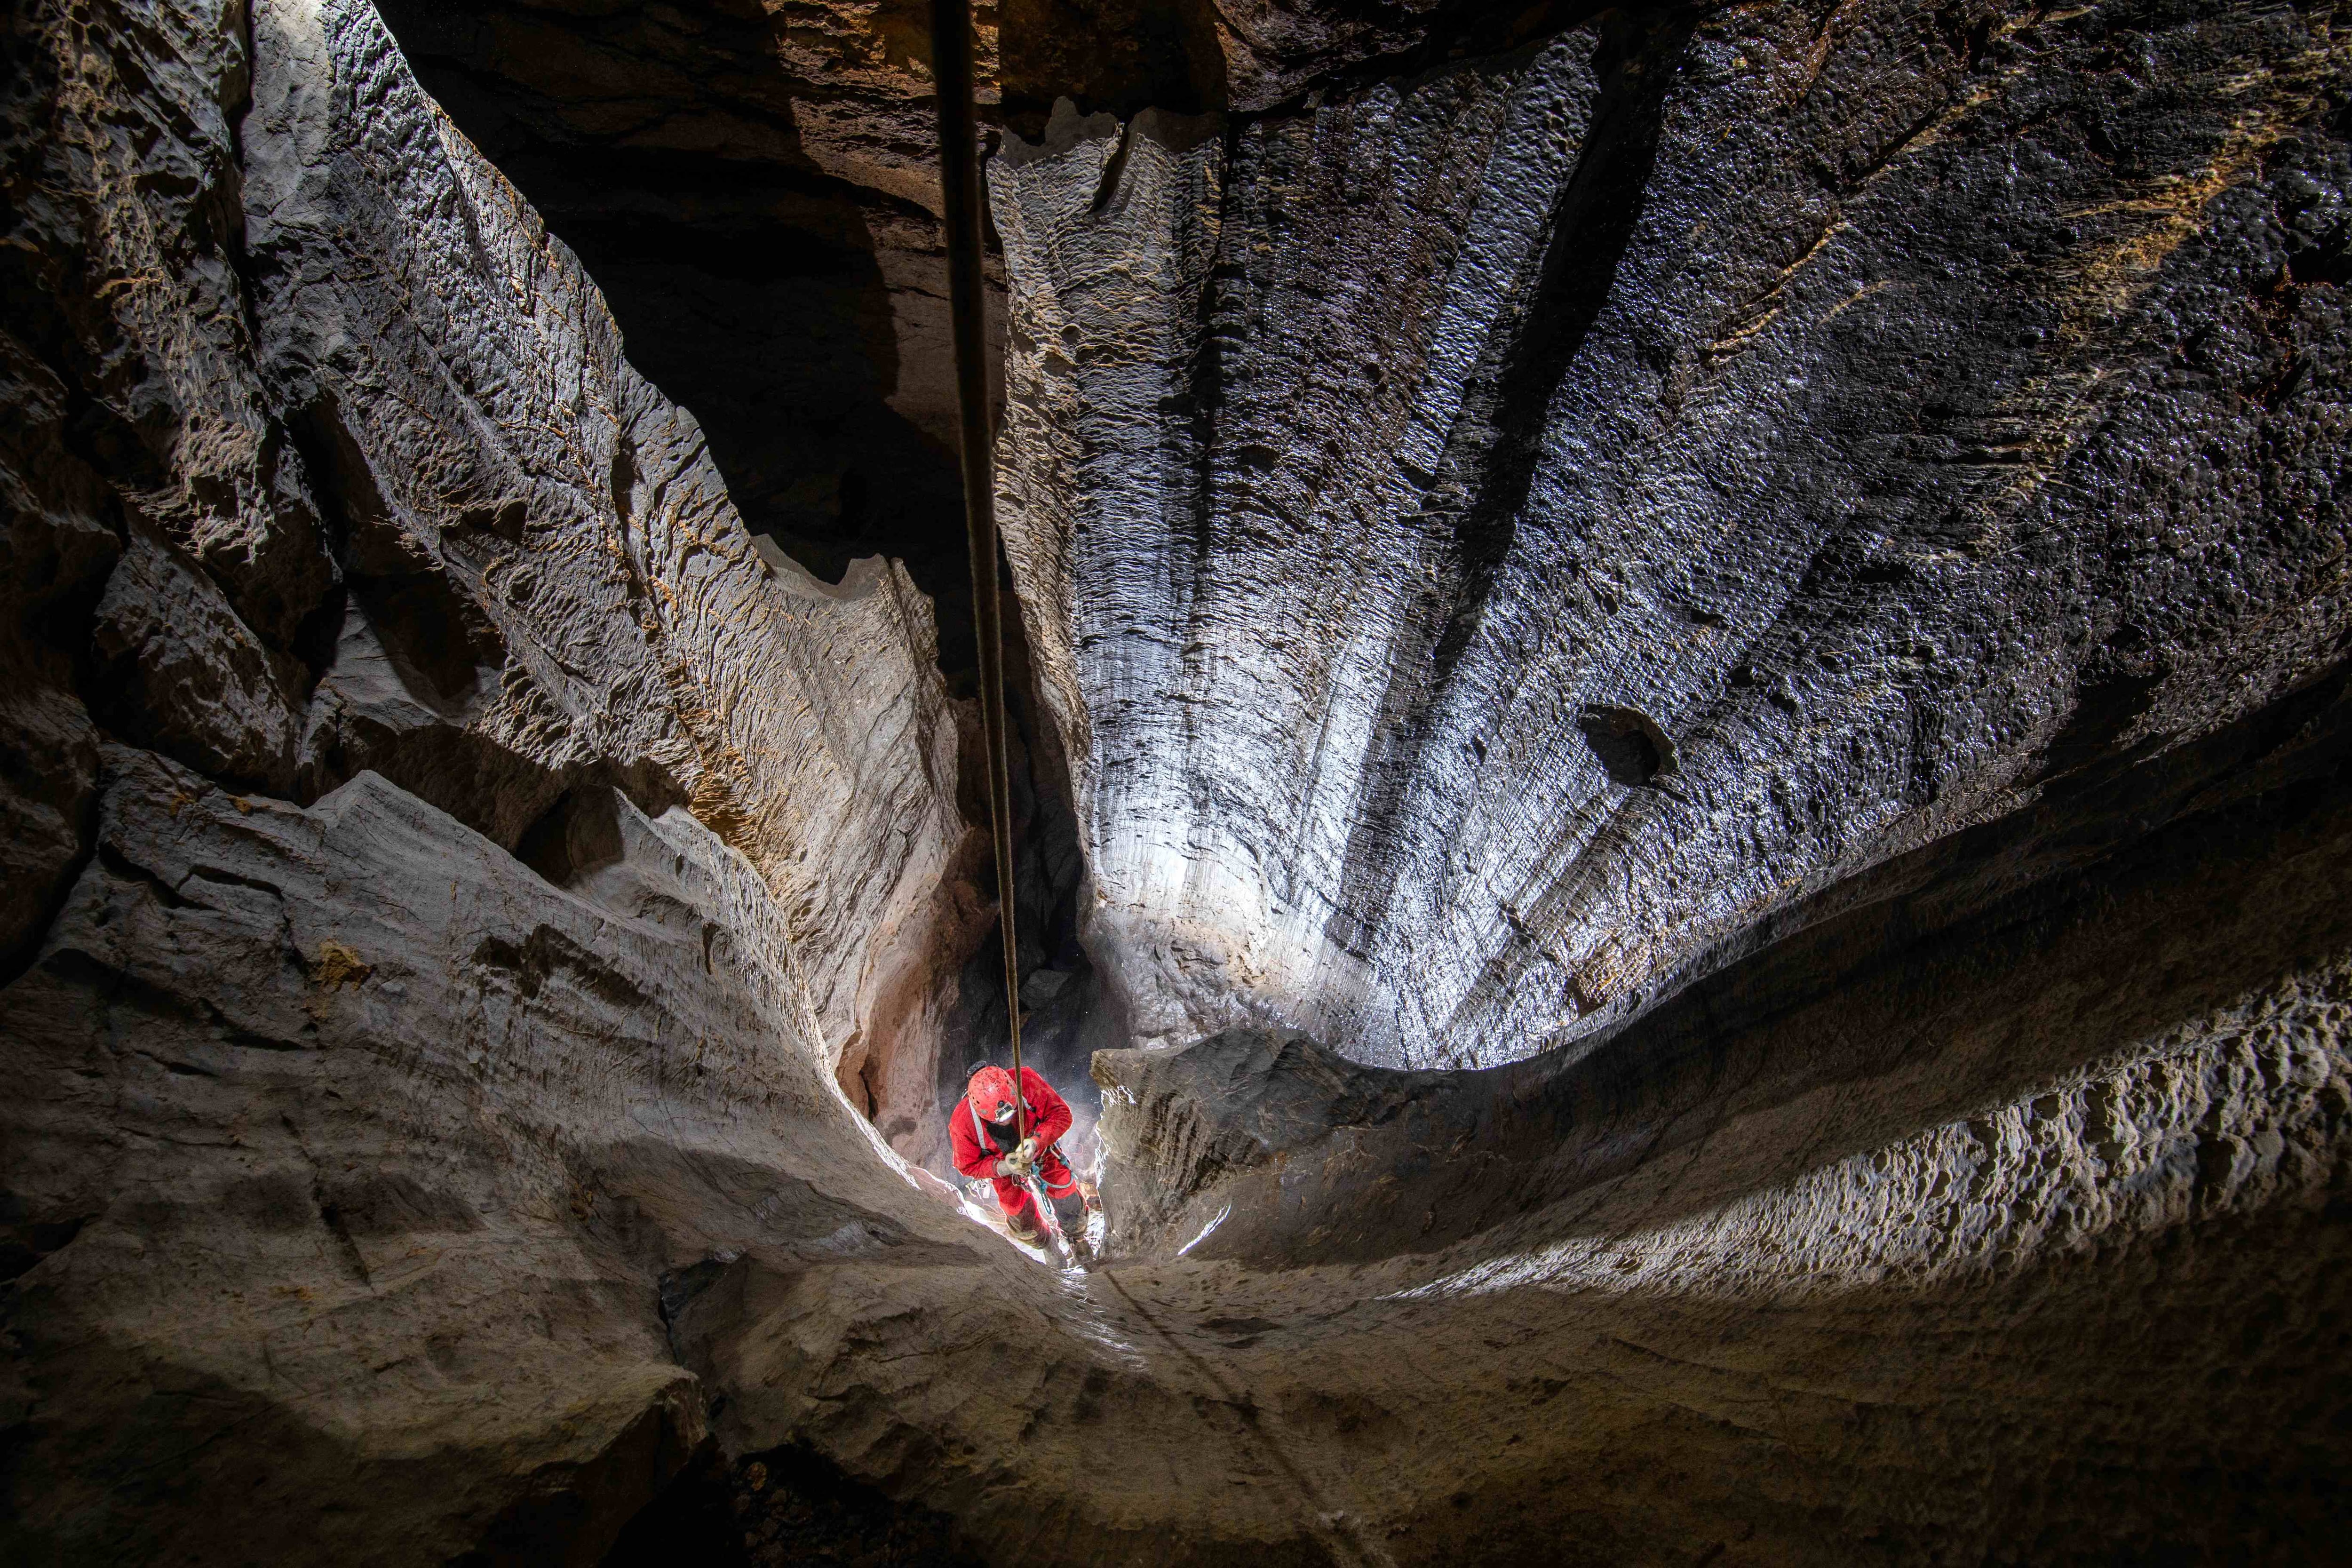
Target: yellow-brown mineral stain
[(336, 966)]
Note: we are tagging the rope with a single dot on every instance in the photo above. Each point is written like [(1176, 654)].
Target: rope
[(951, 70)]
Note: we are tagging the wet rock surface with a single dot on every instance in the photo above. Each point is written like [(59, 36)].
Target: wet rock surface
[(1578, 546)]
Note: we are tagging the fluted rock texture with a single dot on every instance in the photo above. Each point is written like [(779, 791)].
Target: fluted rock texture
[(1496, 537), (1791, 555), (2026, 1244), (754, 188), (423, 798)]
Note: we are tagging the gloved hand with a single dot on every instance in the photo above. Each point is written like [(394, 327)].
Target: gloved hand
[(1027, 1151), (1013, 1164)]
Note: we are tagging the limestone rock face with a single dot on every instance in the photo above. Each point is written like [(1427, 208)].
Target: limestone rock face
[(1793, 560), (755, 189), (1993, 1196), (404, 741), (134, 404), (176, 664), (1196, 1120), (1492, 537)]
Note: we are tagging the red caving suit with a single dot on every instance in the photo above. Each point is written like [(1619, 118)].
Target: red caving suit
[(977, 1149)]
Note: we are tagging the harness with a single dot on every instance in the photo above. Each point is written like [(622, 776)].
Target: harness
[(980, 1131)]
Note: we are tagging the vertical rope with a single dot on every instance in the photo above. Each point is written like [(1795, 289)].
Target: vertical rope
[(951, 69)]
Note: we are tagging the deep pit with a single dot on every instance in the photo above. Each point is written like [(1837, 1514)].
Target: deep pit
[(1682, 698)]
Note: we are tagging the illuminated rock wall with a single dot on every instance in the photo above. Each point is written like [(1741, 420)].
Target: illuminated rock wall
[(439, 839), (1796, 558), (1496, 536)]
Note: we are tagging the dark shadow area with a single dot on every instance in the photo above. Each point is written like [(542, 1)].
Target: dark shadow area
[(1628, 744), (786, 1506), (1122, 56), (777, 331), (1065, 1016)]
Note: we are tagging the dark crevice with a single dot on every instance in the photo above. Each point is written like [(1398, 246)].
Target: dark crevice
[(1064, 1018), (1113, 56), (2105, 707), (122, 869), (346, 1248), (548, 956), (579, 836), (572, 1511), (1590, 228), (25, 1241), (16, 961)]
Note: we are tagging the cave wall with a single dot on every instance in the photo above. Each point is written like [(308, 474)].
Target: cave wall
[(752, 186), (447, 853), (387, 497), (755, 191), (1496, 534), (452, 861), (2025, 1243)]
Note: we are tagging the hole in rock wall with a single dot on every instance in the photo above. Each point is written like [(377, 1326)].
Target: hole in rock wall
[(1629, 744), (580, 835)]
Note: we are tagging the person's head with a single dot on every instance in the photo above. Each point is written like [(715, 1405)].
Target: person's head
[(991, 1092)]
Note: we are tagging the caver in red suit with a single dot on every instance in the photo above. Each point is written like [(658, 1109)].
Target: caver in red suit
[(982, 1131)]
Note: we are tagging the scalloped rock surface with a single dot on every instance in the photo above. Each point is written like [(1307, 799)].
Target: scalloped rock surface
[(1494, 537), (1792, 559), (422, 791)]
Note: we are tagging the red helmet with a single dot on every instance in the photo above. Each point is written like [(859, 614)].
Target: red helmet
[(990, 1093)]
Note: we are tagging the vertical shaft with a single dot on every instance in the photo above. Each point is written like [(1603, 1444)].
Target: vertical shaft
[(951, 69)]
